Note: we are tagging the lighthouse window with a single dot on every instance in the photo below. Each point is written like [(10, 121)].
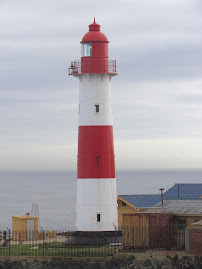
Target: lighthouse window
[(86, 49), (97, 108), (98, 217)]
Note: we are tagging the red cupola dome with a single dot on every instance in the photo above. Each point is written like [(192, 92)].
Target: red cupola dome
[(94, 51), (94, 34)]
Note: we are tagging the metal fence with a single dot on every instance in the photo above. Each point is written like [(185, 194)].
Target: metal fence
[(90, 244), (58, 243), (109, 66)]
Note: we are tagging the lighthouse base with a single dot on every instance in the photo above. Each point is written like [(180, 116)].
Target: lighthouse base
[(100, 238), (96, 204)]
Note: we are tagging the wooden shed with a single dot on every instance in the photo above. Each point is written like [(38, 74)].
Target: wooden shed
[(135, 230), (25, 227), (148, 230)]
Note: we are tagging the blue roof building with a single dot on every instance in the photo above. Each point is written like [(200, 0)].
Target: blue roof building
[(142, 200), (184, 190), (129, 204)]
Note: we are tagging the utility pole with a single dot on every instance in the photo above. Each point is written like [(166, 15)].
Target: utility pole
[(161, 195)]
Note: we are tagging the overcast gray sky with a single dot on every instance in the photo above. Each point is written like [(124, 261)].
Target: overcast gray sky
[(157, 96)]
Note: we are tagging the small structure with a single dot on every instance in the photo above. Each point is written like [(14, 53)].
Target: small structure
[(185, 211), (162, 226), (144, 230), (130, 204), (25, 227)]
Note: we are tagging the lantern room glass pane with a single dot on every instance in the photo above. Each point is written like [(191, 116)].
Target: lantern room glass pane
[(86, 49)]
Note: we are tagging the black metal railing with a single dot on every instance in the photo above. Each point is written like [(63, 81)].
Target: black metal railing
[(91, 244), (59, 243)]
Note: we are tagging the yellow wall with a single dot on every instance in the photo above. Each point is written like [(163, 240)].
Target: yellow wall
[(126, 210), (189, 220), (19, 226)]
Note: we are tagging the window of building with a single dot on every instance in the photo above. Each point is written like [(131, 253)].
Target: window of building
[(98, 161), (86, 49), (97, 108), (98, 217), (123, 204), (182, 224)]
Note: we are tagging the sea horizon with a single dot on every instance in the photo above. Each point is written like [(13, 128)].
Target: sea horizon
[(55, 192)]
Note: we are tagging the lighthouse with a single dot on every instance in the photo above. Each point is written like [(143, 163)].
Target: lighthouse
[(96, 208)]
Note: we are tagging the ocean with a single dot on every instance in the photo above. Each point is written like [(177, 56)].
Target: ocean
[(55, 192)]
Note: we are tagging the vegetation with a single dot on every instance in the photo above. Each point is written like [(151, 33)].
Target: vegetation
[(56, 249)]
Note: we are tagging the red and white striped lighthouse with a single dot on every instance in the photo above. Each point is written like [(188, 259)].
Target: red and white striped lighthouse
[(96, 182)]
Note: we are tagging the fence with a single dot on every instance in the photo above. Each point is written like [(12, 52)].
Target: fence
[(58, 243), (109, 66), (142, 238), (90, 244)]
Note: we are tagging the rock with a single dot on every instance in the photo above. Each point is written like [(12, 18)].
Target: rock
[(155, 262), (130, 258), (147, 263), (132, 266), (165, 266), (190, 266)]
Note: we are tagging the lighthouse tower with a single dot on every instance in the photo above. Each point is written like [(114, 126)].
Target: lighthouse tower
[(96, 182)]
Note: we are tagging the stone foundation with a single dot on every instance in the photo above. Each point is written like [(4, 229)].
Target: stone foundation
[(150, 260)]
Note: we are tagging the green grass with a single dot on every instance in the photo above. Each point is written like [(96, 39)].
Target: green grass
[(57, 249)]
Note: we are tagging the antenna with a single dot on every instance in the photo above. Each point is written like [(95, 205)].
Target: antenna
[(35, 212)]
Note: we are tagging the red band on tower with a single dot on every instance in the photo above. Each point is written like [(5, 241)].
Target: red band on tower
[(96, 152)]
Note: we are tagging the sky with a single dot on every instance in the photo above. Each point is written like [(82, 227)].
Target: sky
[(156, 97)]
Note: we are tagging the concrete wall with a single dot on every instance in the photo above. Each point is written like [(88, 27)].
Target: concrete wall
[(158, 260)]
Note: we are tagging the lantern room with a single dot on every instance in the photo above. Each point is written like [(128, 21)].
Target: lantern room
[(94, 54)]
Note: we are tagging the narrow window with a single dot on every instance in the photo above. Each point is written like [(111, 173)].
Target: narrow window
[(97, 160), (86, 49), (123, 204), (98, 217), (97, 108)]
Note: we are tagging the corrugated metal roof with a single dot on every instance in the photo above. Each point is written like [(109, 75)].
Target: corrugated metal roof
[(186, 190), (178, 207), (147, 200)]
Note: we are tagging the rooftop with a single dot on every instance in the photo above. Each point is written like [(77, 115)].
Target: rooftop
[(186, 190), (142, 200), (178, 207), (25, 217)]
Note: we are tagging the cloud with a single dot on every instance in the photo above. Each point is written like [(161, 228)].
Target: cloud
[(157, 95)]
